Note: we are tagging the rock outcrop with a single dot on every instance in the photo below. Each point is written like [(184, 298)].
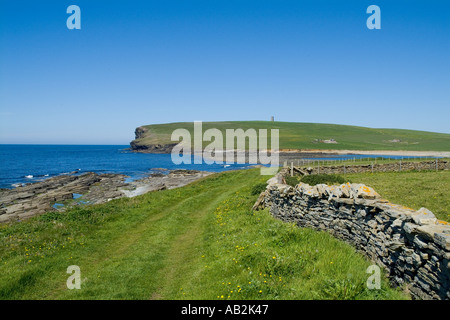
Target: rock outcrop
[(89, 188), (139, 145), (152, 148), (40, 197)]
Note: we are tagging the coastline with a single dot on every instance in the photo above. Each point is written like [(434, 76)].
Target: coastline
[(309, 153), (65, 191), (369, 152)]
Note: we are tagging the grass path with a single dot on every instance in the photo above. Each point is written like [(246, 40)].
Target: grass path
[(183, 255), (201, 241)]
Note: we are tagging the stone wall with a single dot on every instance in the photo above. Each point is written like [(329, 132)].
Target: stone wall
[(412, 246), (376, 167)]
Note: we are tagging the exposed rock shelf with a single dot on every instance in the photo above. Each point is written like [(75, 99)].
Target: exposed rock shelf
[(40, 197)]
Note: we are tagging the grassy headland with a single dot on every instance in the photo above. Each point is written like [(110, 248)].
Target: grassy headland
[(200, 241), (296, 136)]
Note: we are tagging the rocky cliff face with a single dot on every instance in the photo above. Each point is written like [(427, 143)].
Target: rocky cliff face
[(139, 145), (140, 132), (152, 148)]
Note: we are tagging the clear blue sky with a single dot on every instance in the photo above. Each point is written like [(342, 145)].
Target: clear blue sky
[(144, 62)]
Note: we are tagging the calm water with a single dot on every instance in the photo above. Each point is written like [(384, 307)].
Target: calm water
[(32, 163)]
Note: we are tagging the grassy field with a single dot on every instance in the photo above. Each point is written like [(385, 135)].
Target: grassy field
[(201, 241), (414, 189), (366, 161), (294, 135), (429, 189)]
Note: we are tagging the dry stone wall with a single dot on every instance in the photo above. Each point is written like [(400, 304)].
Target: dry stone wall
[(412, 246), (437, 164)]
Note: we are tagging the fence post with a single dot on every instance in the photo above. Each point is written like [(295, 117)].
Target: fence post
[(400, 165), (292, 169)]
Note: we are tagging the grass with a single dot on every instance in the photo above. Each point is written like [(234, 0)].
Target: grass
[(200, 241), (295, 135), (329, 179), (429, 189), (431, 162)]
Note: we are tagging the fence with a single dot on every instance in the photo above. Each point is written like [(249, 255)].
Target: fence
[(344, 166)]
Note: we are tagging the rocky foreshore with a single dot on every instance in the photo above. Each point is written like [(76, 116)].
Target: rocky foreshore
[(64, 191)]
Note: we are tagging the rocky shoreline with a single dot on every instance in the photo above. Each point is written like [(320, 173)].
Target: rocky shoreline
[(65, 191)]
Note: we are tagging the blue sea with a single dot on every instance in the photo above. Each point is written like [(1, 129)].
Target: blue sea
[(32, 163), (21, 164)]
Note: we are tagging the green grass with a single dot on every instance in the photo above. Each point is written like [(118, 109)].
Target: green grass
[(429, 189), (329, 179), (201, 241), (366, 161), (295, 135)]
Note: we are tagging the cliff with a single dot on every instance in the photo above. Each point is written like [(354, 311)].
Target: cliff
[(143, 142)]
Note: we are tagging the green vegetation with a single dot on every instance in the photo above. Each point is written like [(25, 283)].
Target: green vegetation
[(296, 135), (414, 189), (200, 241), (368, 161), (258, 188), (292, 181), (329, 179), (429, 189)]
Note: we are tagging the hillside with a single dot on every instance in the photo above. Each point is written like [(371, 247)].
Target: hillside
[(301, 136)]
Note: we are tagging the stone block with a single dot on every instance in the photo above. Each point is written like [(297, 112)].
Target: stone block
[(423, 216), (443, 240)]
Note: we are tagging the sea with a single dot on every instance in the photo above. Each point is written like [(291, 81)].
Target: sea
[(22, 164)]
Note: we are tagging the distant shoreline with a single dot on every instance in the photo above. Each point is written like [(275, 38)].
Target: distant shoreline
[(370, 152), (309, 153)]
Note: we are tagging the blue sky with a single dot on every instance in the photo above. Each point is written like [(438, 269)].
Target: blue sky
[(144, 62)]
